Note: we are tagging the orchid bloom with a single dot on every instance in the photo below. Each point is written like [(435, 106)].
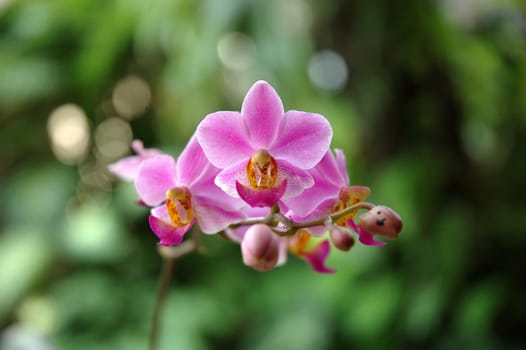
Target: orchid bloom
[(330, 176), (263, 151), (237, 165), (332, 194), (126, 168), (182, 192), (315, 255)]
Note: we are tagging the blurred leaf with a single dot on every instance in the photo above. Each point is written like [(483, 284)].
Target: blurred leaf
[(37, 194), (25, 256), (93, 234)]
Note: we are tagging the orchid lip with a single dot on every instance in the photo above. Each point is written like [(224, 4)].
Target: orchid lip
[(261, 197)]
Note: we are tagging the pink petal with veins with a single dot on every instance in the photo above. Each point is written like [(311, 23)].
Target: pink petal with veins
[(262, 110)]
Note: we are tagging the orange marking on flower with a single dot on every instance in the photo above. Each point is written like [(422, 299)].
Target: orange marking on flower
[(350, 196), (299, 242), (262, 170), (179, 206)]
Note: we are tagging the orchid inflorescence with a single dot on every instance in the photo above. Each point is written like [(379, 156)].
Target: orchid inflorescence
[(262, 177)]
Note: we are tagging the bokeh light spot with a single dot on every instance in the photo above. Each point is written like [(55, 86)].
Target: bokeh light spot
[(112, 138), (236, 51), (131, 96), (68, 131), (39, 314), (327, 70)]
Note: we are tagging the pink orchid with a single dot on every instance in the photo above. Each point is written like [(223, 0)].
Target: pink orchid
[(263, 151), (187, 193), (331, 194), (315, 255), (330, 176), (126, 168)]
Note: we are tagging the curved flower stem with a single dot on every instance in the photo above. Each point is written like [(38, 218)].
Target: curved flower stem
[(164, 285), (169, 256), (348, 210)]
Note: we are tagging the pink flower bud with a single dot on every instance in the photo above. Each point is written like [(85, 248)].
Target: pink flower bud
[(341, 239), (381, 220), (260, 248)]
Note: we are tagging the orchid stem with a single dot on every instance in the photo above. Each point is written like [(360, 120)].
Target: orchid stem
[(348, 210), (164, 286), (291, 226), (169, 255)]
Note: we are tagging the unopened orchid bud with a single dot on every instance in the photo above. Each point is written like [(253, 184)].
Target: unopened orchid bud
[(260, 248), (341, 239), (381, 220)]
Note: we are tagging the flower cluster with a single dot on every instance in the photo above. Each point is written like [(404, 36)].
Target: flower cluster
[(262, 177)]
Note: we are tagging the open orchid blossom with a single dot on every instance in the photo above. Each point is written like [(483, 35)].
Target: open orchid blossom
[(182, 192), (262, 178), (126, 168), (263, 151)]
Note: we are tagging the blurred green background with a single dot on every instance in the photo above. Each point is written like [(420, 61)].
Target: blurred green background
[(427, 99)]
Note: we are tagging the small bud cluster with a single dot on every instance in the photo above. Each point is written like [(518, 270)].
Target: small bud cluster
[(262, 177)]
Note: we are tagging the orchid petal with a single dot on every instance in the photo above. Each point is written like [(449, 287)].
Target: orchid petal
[(297, 179), (154, 178), (227, 178), (368, 239), (342, 167), (224, 138), (138, 147), (191, 163), (126, 168), (317, 257), (311, 198), (211, 216), (303, 140), (365, 237), (167, 233), (262, 110), (261, 198)]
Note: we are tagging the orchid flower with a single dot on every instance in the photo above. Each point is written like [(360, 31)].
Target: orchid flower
[(331, 194), (263, 151), (263, 178), (182, 192), (314, 255)]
